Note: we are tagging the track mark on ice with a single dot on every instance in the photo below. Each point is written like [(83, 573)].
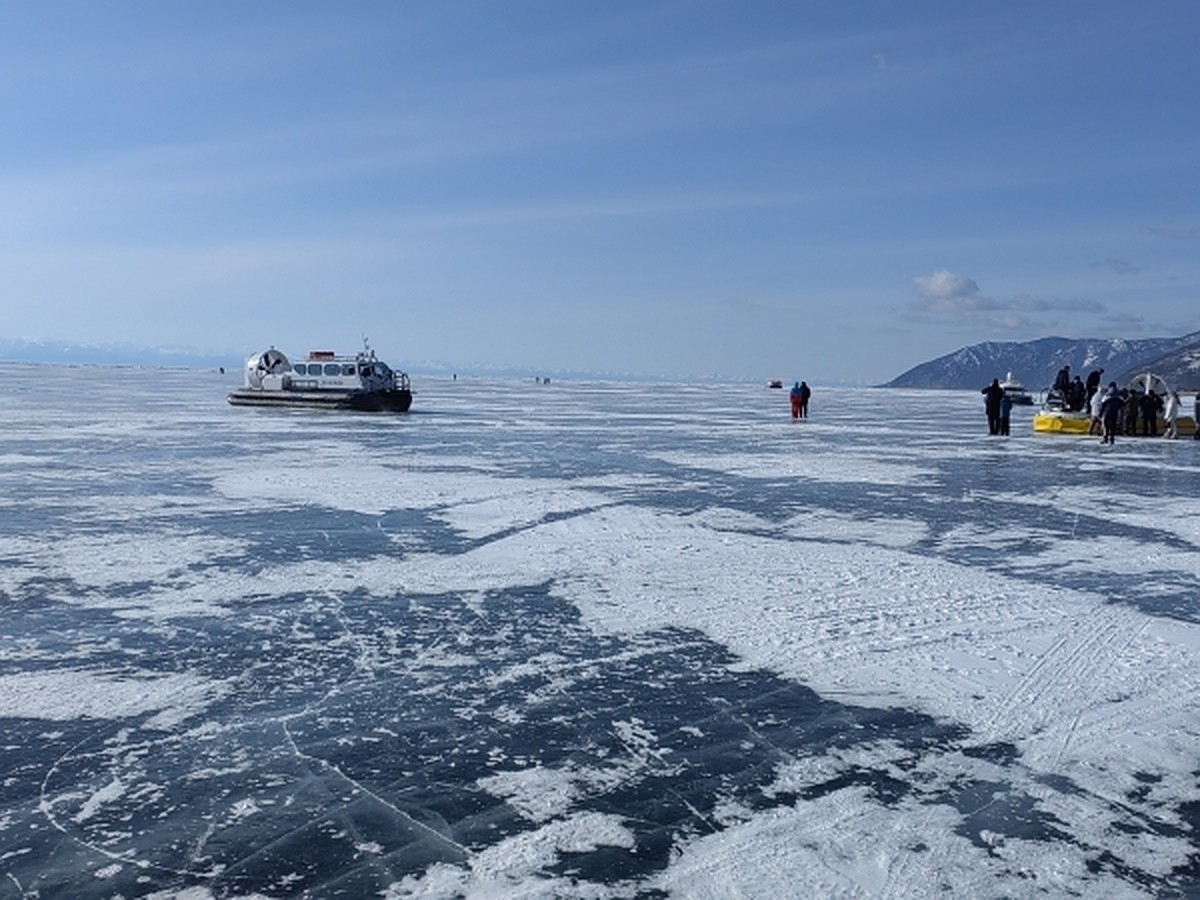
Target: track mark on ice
[(1065, 675)]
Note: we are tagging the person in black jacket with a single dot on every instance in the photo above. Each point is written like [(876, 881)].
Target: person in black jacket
[(991, 403), (1150, 404), (1111, 408), (1078, 395)]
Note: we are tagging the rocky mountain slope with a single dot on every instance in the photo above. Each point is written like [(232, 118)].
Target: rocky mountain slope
[(1035, 363)]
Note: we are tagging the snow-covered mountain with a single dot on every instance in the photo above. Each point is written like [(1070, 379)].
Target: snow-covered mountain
[(1035, 363), (29, 350), (55, 352)]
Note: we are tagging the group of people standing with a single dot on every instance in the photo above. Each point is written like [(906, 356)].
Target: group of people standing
[(1076, 394), (1119, 411), (1112, 410), (998, 406), (799, 395)]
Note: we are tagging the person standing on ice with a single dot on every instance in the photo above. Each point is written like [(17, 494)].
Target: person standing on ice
[(1005, 413), (991, 404), (1150, 404), (794, 396), (805, 393), (1171, 414), (1131, 412), (1095, 400), (1111, 407)]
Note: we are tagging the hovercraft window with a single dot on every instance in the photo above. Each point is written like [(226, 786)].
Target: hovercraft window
[(333, 369)]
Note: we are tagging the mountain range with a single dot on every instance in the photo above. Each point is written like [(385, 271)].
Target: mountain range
[(28, 350), (56, 352), (1036, 363)]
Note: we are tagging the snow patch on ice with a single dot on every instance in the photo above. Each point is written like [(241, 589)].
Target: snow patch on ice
[(114, 790), (832, 468), (64, 694)]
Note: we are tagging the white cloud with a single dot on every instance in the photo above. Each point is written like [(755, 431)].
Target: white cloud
[(945, 285), (950, 296)]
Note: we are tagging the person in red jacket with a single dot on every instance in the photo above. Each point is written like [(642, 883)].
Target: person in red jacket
[(796, 397)]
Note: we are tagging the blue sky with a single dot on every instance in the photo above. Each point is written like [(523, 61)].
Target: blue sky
[(834, 191)]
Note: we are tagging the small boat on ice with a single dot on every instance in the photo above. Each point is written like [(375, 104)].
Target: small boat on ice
[(323, 380), (1057, 417), (1015, 391)]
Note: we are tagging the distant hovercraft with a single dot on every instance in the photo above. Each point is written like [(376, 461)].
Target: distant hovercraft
[(1015, 391), (324, 380)]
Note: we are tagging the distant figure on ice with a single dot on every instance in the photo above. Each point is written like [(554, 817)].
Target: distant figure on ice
[(992, 395), (805, 393), (794, 396), (1111, 407)]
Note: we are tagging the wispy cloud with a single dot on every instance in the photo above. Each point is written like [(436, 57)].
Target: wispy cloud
[(1124, 323), (744, 304), (1119, 266), (955, 299), (1175, 232)]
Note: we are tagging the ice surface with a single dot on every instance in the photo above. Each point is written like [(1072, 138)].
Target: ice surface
[(596, 640)]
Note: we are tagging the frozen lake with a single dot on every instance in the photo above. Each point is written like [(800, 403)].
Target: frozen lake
[(589, 640)]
